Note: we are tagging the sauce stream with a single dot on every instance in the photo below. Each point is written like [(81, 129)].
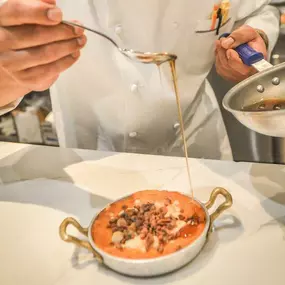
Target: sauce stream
[(180, 115)]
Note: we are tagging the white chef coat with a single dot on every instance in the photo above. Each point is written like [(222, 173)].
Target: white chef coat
[(108, 102)]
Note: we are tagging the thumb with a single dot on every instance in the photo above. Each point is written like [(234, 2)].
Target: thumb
[(240, 36), (19, 12)]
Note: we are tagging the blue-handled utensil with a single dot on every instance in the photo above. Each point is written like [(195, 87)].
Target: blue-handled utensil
[(250, 57)]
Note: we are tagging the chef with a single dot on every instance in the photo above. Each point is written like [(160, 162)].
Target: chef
[(108, 102)]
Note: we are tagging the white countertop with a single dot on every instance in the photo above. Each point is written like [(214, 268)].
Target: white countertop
[(40, 186)]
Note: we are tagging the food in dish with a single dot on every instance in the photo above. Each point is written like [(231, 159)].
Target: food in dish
[(148, 224)]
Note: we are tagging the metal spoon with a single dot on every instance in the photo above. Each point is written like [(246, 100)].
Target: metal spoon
[(143, 57)]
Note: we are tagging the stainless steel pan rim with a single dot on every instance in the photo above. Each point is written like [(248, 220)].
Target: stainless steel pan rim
[(254, 78)]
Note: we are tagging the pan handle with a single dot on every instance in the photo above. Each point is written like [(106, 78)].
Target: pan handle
[(248, 55), (81, 243)]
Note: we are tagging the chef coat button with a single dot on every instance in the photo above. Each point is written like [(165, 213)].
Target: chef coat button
[(118, 29), (133, 134), (134, 88), (176, 126)]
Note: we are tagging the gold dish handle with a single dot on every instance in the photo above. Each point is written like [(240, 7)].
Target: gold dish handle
[(224, 206), (81, 243)]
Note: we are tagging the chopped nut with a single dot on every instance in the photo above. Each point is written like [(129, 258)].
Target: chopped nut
[(133, 227), (170, 227), (121, 222), (113, 220), (139, 222), (124, 207), (117, 237), (181, 217), (167, 201), (149, 241), (131, 211), (142, 236), (164, 221), (144, 230)]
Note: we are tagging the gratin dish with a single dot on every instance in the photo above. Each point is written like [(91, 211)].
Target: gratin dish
[(149, 266)]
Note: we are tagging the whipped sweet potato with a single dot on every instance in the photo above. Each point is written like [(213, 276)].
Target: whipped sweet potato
[(148, 224)]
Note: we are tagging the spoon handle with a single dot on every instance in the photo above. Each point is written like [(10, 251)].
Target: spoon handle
[(91, 30)]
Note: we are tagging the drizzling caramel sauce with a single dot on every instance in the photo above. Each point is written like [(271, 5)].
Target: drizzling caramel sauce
[(180, 116)]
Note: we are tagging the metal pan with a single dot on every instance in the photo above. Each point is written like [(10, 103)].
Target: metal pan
[(152, 266), (268, 83)]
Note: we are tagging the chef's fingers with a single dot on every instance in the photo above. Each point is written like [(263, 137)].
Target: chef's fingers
[(25, 36), (222, 70), (19, 12), (236, 64), (226, 72), (221, 53), (27, 58), (242, 35), (37, 77)]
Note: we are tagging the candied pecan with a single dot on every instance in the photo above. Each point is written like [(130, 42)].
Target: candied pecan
[(131, 211), (144, 230), (137, 207), (139, 223), (142, 235), (115, 229), (170, 226), (167, 201), (149, 241), (181, 217), (164, 221), (113, 220), (133, 227)]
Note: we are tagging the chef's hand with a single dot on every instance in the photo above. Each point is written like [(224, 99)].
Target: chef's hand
[(34, 47), (228, 63)]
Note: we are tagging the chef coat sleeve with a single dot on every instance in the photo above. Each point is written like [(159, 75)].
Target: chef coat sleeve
[(260, 15), (7, 108)]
